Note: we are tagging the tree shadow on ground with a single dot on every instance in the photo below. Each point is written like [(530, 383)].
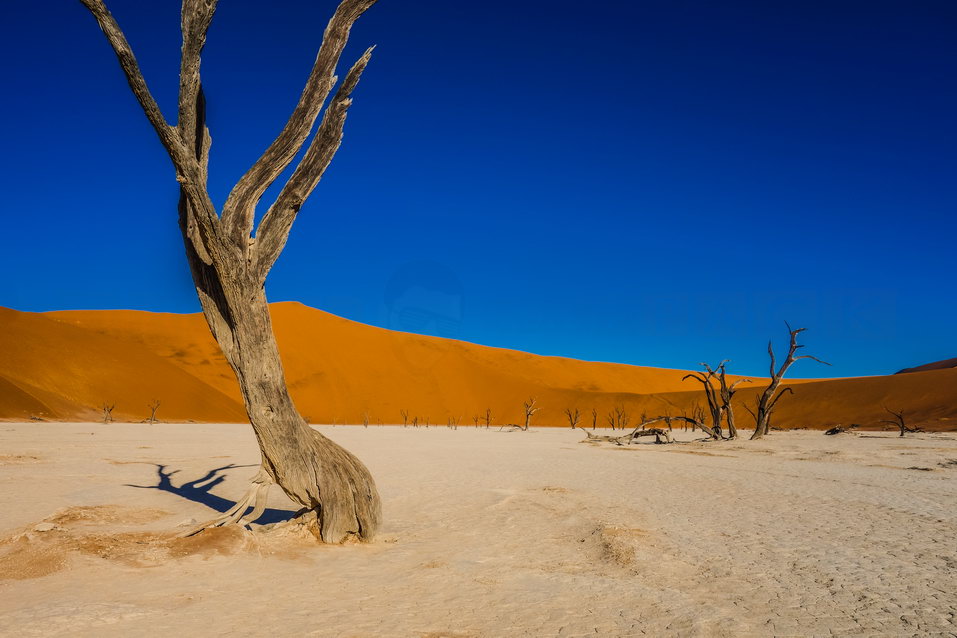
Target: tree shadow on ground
[(200, 491)]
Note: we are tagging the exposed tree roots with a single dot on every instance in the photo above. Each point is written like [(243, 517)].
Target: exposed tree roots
[(256, 498)]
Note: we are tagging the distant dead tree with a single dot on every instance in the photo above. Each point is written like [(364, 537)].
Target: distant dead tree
[(769, 398), (899, 421), (405, 417), (594, 418), (426, 421), (573, 417), (453, 423), (488, 417), (230, 256), (415, 421), (610, 419), (617, 418), (153, 406), (621, 417), (530, 409), (726, 392), (475, 419), (365, 419), (108, 412), (711, 396)]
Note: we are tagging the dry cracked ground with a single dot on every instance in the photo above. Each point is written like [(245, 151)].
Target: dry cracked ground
[(487, 533)]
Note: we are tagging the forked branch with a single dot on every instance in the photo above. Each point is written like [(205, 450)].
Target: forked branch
[(188, 171), (240, 206), (274, 228)]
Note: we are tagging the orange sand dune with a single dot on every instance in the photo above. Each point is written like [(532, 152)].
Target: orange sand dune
[(63, 365), (52, 369)]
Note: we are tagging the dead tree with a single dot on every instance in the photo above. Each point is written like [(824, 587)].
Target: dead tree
[(488, 417), (899, 422), (641, 430), (475, 419), (108, 412), (530, 409), (841, 429), (594, 418), (365, 419), (621, 417), (153, 406), (610, 419), (229, 260), (726, 392), (405, 418), (415, 421), (769, 398), (573, 417), (711, 395)]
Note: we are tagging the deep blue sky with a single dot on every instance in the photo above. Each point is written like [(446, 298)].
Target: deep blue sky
[(652, 182)]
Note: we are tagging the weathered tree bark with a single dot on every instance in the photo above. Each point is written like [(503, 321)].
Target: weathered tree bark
[(229, 264), (768, 398)]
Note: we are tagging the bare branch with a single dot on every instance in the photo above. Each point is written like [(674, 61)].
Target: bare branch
[(241, 204), (195, 19), (189, 174), (275, 225), (134, 76), (785, 390), (807, 356)]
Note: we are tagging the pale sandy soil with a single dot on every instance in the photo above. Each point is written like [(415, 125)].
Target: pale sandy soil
[(486, 534)]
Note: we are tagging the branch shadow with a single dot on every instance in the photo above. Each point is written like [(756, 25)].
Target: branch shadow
[(200, 491)]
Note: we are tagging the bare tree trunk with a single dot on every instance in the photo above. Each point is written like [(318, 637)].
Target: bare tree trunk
[(311, 469)]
